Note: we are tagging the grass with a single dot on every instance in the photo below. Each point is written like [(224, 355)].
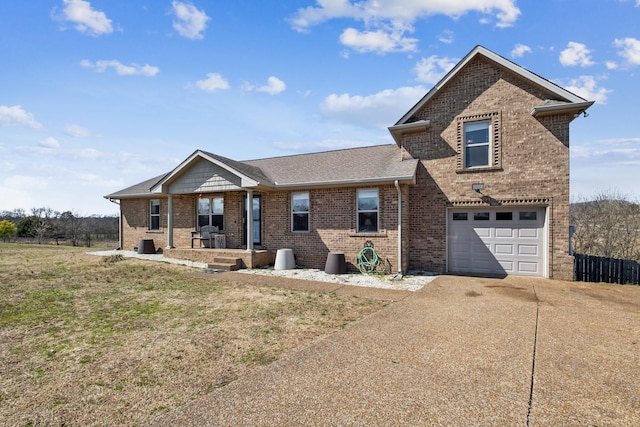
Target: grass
[(88, 340)]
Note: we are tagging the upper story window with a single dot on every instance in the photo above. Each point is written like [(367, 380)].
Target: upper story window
[(154, 215), (211, 212), (300, 211), (479, 145), (368, 209)]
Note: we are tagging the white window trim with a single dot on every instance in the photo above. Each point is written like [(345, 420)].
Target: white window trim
[(152, 215), (307, 212), (487, 144), (358, 211)]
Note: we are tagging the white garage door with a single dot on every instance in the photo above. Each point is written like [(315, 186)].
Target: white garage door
[(497, 241)]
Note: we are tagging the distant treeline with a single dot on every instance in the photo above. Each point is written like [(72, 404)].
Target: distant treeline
[(607, 225), (44, 225)]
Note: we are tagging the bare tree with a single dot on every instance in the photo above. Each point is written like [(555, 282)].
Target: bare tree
[(43, 223), (607, 225), (72, 225)]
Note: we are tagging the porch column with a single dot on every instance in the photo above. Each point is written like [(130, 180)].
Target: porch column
[(249, 220), (170, 221)]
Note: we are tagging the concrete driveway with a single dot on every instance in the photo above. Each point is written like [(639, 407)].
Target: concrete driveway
[(461, 351)]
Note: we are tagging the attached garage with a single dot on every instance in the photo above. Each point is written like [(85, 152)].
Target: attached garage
[(497, 241)]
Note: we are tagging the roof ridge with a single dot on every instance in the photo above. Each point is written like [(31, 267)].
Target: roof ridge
[(366, 147)]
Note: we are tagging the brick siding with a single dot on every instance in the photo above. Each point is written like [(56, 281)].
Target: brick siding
[(531, 166), (534, 163)]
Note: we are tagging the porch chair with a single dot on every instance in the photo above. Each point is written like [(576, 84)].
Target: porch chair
[(205, 237)]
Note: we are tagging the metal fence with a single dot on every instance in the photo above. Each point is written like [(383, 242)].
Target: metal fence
[(587, 268)]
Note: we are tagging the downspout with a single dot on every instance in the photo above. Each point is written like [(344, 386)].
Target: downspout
[(399, 275), (120, 229)]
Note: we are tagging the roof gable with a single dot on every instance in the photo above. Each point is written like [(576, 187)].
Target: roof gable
[(247, 176), (564, 102)]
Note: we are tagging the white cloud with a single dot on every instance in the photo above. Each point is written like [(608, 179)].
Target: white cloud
[(120, 68), (273, 87), (430, 70), (88, 153), (373, 110), (586, 87), (18, 191), (379, 41), (629, 49), (519, 50), (387, 21), (77, 131), (213, 82), (576, 54), (611, 65), (50, 142), (401, 12), (85, 18), (446, 37), (190, 22), (17, 116)]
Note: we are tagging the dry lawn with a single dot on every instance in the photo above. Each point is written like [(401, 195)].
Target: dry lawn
[(86, 340)]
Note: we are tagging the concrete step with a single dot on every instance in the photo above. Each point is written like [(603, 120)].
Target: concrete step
[(226, 263)]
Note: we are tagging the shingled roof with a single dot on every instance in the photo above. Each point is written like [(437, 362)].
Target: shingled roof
[(374, 164), (356, 165), (140, 189)]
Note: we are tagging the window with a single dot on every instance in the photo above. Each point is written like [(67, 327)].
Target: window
[(154, 215), (368, 202), (459, 216), (476, 144), (504, 216), (211, 212), (481, 216), (528, 216), (300, 211)]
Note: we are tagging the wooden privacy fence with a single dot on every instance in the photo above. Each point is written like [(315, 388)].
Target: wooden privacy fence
[(587, 268)]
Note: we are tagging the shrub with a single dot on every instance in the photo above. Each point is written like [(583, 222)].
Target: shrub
[(7, 230)]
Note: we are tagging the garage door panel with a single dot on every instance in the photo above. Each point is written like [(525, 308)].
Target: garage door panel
[(505, 232), (483, 232), (507, 266), (498, 245), (504, 249), (528, 267), (528, 233), (531, 250)]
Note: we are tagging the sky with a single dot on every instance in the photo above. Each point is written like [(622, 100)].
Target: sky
[(98, 95)]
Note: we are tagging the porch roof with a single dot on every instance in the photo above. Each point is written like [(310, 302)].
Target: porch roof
[(373, 164)]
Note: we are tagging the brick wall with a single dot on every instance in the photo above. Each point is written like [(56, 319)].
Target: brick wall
[(332, 220), (332, 224), (534, 161)]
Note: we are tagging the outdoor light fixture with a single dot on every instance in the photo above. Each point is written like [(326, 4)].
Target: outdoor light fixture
[(477, 186)]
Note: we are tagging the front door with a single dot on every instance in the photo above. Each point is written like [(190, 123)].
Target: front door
[(257, 214)]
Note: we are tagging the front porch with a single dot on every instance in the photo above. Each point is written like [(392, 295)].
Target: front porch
[(224, 258)]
